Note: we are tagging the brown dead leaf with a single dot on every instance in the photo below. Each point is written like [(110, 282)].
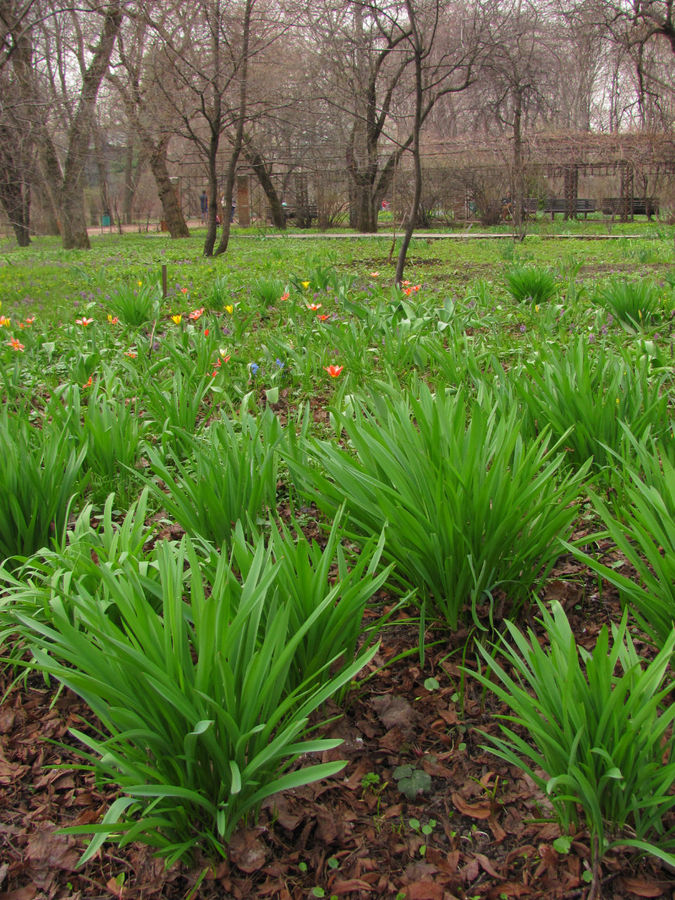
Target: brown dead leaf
[(449, 715), (420, 870), (394, 712), (471, 871), (487, 866), (436, 769), (115, 887), (497, 831), (284, 814), (24, 893), (424, 890), (481, 810), (643, 888), (47, 851), (327, 825), (247, 851), (348, 885), (9, 772), (509, 889)]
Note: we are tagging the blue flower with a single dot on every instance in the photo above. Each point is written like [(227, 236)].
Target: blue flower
[(279, 363), (254, 368)]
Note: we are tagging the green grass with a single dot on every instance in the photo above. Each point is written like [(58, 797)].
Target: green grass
[(443, 431)]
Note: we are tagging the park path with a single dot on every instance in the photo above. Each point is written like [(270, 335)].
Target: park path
[(466, 235)]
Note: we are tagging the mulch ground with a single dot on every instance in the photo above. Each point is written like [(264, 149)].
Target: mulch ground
[(487, 834)]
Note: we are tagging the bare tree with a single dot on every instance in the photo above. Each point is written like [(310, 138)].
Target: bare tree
[(442, 66), (634, 22), (513, 94), (140, 79), (83, 59), (367, 46), (211, 54)]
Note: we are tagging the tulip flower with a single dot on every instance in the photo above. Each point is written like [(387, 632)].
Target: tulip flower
[(322, 318), (229, 309), (313, 306), (15, 344), (113, 320), (5, 322), (87, 383), (84, 321), (196, 314), (305, 284), (177, 319), (333, 371), (284, 296)]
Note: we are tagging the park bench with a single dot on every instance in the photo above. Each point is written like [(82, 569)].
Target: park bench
[(302, 215), (555, 205), (638, 206)]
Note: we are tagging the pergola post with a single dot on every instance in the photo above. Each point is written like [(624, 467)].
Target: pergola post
[(627, 192), (571, 188)]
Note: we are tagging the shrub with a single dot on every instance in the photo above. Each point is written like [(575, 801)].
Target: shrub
[(39, 475), (467, 508), (529, 284), (306, 575), (136, 304), (268, 291), (634, 303), (584, 394), (219, 294), (196, 722), (229, 474), (599, 737), (76, 563), (645, 534)]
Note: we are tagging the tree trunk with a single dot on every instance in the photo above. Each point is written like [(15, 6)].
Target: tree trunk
[(365, 218), (74, 234), (15, 202), (73, 223), (14, 185), (257, 163), (214, 200), (227, 203), (518, 170), (239, 135), (102, 171), (173, 214), (418, 49), (129, 188)]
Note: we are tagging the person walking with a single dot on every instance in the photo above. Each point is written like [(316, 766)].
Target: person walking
[(204, 206)]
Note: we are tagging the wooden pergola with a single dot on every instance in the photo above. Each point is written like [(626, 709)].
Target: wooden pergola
[(566, 156)]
